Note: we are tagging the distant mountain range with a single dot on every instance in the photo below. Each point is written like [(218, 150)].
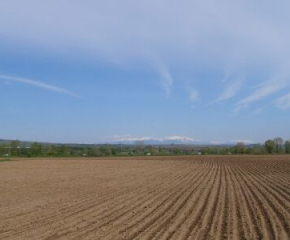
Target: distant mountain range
[(176, 140), (28, 143)]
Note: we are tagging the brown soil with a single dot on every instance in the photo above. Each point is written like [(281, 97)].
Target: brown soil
[(202, 197)]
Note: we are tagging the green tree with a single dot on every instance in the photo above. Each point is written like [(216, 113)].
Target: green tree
[(36, 149), (96, 151), (15, 146), (176, 151), (51, 150), (108, 150), (257, 149), (240, 148), (269, 146), (287, 146), (279, 142), (3, 149), (63, 150), (27, 152)]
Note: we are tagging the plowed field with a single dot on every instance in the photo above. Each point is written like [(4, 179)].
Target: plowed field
[(202, 197)]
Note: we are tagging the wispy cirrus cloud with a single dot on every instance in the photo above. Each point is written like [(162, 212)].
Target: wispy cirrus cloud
[(173, 138), (283, 102), (264, 90), (199, 34), (38, 84), (230, 91), (242, 141), (193, 95), (166, 78), (129, 138)]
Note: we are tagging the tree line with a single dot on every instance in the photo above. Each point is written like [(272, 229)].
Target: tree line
[(15, 148)]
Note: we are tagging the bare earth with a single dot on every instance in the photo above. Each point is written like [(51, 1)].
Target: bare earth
[(202, 197)]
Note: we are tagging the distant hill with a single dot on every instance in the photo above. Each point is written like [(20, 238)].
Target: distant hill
[(28, 143), (148, 141), (172, 141)]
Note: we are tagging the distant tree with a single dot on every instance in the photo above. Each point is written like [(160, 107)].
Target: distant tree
[(257, 149), (225, 150), (139, 144), (287, 146), (27, 152), (269, 146), (3, 149), (85, 151), (63, 150), (108, 150), (36, 149), (240, 148), (279, 142), (250, 150), (96, 152), (113, 151), (176, 151), (152, 150), (15, 146), (51, 150)]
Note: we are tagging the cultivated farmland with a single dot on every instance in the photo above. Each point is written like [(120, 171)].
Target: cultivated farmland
[(197, 197)]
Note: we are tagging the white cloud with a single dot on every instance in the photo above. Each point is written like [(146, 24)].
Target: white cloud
[(38, 84), (242, 141), (124, 31), (266, 89), (258, 110), (128, 138), (283, 102), (166, 78), (180, 138), (229, 92), (133, 139), (194, 95), (226, 76), (207, 34)]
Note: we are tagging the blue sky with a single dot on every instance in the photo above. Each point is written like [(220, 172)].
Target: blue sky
[(97, 71)]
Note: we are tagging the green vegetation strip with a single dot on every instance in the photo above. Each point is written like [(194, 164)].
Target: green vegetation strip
[(5, 160)]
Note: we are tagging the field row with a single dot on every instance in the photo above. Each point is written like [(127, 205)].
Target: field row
[(229, 197)]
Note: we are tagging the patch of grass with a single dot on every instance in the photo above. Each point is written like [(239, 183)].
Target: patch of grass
[(5, 159)]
